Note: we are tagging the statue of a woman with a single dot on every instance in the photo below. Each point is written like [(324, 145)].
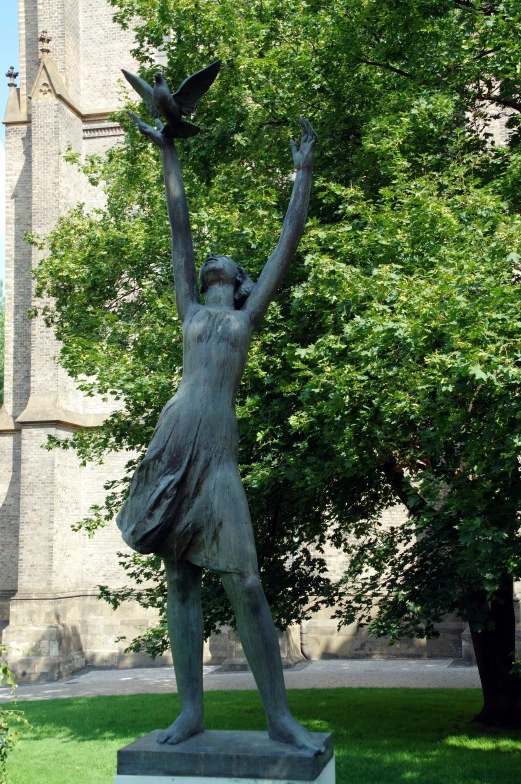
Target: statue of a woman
[(186, 502)]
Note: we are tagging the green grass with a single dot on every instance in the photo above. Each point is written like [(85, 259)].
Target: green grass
[(382, 736)]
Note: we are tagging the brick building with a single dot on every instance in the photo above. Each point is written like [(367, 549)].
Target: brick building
[(51, 620)]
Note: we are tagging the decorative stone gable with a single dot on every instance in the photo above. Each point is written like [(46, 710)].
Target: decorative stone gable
[(13, 111), (49, 84)]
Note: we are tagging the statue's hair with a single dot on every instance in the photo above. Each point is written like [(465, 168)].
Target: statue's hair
[(244, 286)]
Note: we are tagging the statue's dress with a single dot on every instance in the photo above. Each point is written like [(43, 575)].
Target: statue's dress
[(186, 497)]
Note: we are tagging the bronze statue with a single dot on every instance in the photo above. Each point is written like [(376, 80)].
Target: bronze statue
[(186, 502), (161, 103)]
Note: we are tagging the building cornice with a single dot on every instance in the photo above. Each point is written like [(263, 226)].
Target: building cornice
[(7, 423), (43, 409), (50, 596)]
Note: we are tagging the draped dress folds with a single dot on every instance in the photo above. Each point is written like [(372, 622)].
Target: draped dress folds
[(186, 498)]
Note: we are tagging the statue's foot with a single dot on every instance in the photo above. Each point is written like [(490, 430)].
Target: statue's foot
[(183, 728), (287, 730)]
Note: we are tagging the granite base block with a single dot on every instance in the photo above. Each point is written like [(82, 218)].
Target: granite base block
[(216, 757), (327, 776)]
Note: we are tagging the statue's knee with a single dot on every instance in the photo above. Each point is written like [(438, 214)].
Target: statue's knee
[(251, 588)]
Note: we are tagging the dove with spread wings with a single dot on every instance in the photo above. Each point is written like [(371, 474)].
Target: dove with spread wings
[(161, 103)]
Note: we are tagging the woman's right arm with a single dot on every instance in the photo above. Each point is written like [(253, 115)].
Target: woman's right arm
[(183, 258)]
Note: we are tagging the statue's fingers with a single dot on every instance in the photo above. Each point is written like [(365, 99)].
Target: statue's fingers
[(133, 117), (159, 125), (311, 133), (143, 127), (303, 126)]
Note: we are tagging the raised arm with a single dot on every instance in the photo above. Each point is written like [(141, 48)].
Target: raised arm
[(293, 226), (186, 293)]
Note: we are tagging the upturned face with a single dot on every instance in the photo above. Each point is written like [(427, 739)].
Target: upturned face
[(158, 78), (218, 269)]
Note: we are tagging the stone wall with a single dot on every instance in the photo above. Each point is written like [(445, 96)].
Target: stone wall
[(49, 574)]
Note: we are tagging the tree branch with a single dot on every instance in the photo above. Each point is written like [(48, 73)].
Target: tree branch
[(505, 102), (465, 4)]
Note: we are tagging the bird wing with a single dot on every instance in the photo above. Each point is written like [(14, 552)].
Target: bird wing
[(144, 90), (194, 87)]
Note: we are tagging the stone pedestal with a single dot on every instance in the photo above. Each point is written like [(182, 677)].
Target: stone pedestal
[(326, 777), (216, 757)]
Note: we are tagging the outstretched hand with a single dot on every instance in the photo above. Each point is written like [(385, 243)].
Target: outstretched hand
[(303, 157), (154, 134)]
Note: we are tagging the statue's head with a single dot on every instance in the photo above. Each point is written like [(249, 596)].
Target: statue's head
[(223, 269)]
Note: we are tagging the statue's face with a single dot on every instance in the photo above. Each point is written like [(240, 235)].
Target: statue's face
[(218, 269)]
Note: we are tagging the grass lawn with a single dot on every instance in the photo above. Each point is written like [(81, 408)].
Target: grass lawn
[(382, 736)]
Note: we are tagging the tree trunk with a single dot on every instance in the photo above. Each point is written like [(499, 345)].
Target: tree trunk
[(494, 648)]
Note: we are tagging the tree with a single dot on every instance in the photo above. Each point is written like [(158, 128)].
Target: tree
[(426, 376), (388, 369)]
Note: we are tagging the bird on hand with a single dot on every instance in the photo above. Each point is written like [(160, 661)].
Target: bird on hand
[(161, 103)]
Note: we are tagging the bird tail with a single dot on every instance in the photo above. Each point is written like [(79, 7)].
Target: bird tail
[(182, 130)]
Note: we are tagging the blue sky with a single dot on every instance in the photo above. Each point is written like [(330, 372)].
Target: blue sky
[(10, 56)]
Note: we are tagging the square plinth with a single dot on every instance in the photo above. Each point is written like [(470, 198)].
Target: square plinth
[(327, 776), (219, 754)]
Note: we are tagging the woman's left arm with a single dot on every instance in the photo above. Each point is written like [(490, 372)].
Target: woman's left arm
[(277, 264)]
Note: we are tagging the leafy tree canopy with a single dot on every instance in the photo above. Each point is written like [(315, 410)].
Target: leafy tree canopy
[(389, 368)]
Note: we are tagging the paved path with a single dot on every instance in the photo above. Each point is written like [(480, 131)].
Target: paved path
[(395, 673)]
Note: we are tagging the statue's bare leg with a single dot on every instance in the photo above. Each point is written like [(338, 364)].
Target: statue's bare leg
[(185, 628), (260, 642)]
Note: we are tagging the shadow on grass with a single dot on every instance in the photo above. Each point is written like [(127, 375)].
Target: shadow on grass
[(382, 736)]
